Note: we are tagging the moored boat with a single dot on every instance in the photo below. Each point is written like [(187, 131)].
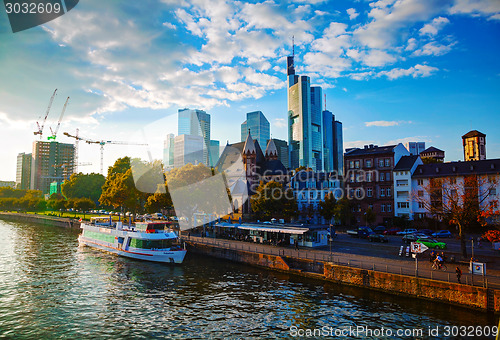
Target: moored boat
[(149, 241)]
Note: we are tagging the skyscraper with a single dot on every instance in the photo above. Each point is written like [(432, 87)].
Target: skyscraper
[(415, 148), (23, 171), (168, 151), (188, 149), (282, 148), (51, 162), (196, 123), (259, 127), (214, 152), (314, 137)]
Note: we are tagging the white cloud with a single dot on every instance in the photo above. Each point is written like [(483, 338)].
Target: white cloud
[(326, 65), (404, 140), (488, 8), (414, 71), (382, 123), (280, 122), (433, 48), (435, 26), (169, 25), (411, 45), (390, 20), (376, 58), (357, 144), (352, 13)]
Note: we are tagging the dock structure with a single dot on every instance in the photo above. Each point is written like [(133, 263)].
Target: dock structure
[(394, 276)]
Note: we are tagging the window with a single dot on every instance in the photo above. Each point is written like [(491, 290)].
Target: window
[(382, 208), (387, 162), (368, 163), (369, 176), (420, 193), (356, 164), (388, 176), (382, 192), (369, 192), (389, 207), (382, 177), (493, 191), (381, 163), (351, 164), (420, 181), (388, 192), (421, 205), (359, 207), (312, 194), (358, 193), (403, 205)]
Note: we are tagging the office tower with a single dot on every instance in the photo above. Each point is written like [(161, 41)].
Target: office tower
[(196, 123), (332, 143), (474, 143), (188, 149), (214, 152), (415, 148), (168, 151), (305, 121), (282, 147), (259, 127), (51, 162), (23, 171)]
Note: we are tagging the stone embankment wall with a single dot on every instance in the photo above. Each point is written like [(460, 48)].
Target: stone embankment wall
[(452, 293), (41, 219)]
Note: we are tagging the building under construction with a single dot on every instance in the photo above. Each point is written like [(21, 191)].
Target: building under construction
[(51, 162)]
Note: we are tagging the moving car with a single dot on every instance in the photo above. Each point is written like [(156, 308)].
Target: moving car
[(431, 243), (442, 234)]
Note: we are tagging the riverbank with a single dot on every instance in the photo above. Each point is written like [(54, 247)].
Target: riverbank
[(41, 219), (435, 289)]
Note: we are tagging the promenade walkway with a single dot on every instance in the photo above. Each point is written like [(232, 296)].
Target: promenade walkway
[(398, 265)]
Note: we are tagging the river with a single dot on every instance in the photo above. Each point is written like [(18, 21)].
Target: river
[(50, 287)]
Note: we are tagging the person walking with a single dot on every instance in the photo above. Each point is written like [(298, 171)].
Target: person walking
[(459, 274)]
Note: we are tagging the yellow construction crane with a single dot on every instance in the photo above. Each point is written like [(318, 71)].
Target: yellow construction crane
[(40, 128), (101, 143)]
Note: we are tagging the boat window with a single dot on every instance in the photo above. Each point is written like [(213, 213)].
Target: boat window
[(150, 244)]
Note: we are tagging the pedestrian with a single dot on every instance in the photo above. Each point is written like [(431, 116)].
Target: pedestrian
[(189, 235), (459, 274), (432, 256), (296, 244)]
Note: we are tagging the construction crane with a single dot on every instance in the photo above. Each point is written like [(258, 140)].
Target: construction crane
[(40, 128), (101, 143), (54, 133)]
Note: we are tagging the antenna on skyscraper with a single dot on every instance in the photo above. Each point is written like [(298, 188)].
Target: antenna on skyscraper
[(325, 101), (293, 46)]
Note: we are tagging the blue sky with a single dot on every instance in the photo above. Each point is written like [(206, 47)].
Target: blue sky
[(393, 71)]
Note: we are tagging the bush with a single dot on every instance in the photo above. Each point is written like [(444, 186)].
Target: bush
[(492, 235)]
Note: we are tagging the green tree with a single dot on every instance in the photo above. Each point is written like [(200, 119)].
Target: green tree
[(84, 186), (343, 211), (84, 205), (369, 216), (270, 200), (33, 201), (119, 191), (7, 192), (328, 207), (157, 202), (431, 160)]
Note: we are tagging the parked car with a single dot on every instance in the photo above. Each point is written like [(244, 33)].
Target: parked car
[(431, 243), (426, 231), (409, 238), (442, 234), (407, 231), (377, 238), (361, 232), (392, 231), (379, 230)]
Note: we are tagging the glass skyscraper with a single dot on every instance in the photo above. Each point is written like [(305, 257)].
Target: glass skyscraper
[(259, 128), (168, 151), (196, 123)]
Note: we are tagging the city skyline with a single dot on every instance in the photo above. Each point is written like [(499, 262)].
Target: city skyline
[(392, 71)]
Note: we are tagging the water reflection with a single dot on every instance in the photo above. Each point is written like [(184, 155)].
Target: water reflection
[(51, 287)]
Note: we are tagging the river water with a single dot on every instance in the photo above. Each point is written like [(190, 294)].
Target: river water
[(52, 288)]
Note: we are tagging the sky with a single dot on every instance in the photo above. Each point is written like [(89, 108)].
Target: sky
[(393, 71)]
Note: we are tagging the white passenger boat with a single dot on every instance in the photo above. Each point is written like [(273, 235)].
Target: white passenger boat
[(149, 241)]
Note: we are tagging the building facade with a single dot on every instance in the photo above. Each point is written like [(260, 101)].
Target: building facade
[(258, 125), (433, 153), (196, 123), (404, 204), (23, 171), (369, 183), (214, 152), (168, 151), (474, 144), (282, 148), (51, 162), (332, 144), (188, 149), (433, 183), (415, 148)]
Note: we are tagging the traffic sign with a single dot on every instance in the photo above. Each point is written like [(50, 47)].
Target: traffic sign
[(418, 247)]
